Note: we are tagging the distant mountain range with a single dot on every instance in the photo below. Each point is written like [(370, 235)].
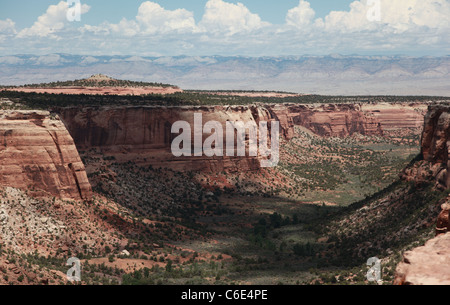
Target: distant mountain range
[(329, 75)]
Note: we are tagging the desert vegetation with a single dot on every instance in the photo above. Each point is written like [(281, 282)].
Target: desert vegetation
[(47, 101)]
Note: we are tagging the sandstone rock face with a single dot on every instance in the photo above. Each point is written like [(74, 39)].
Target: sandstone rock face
[(143, 134), (37, 153), (436, 135), (435, 149), (427, 265), (443, 222), (335, 120), (341, 120)]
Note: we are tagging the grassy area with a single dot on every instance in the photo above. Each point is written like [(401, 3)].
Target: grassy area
[(342, 171)]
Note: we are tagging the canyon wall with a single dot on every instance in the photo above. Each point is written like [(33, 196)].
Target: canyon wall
[(341, 120), (143, 134), (435, 148), (38, 154), (427, 265)]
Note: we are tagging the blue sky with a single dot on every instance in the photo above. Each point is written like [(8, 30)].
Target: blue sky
[(227, 27), (115, 10)]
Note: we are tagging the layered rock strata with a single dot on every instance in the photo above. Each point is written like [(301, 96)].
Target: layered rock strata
[(144, 134), (38, 154), (427, 265), (435, 149), (341, 120)]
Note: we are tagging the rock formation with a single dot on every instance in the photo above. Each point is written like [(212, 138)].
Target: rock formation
[(38, 154), (434, 149), (427, 265), (443, 222), (341, 120), (143, 134)]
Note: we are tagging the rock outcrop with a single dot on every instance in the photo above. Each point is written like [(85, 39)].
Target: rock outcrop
[(341, 120), (435, 149), (443, 222), (38, 154), (335, 120), (143, 134), (427, 265)]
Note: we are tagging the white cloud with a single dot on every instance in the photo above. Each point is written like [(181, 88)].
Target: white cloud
[(396, 16), (11, 60), (49, 60), (7, 27), (124, 27), (301, 15), (229, 18), (152, 19), (54, 19), (87, 60), (405, 26)]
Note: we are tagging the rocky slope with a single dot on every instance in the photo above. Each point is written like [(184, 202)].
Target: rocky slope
[(425, 265), (38, 154)]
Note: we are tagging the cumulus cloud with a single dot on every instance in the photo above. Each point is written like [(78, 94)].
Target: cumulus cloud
[(395, 16), (7, 27), (301, 15), (54, 19), (152, 18), (220, 17), (404, 26), (229, 18)]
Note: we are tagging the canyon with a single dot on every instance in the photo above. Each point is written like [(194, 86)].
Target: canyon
[(125, 150), (41, 150), (143, 134)]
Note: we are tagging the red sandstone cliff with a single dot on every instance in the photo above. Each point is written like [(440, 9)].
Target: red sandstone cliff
[(341, 120), (38, 154), (435, 149), (143, 134), (427, 265)]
